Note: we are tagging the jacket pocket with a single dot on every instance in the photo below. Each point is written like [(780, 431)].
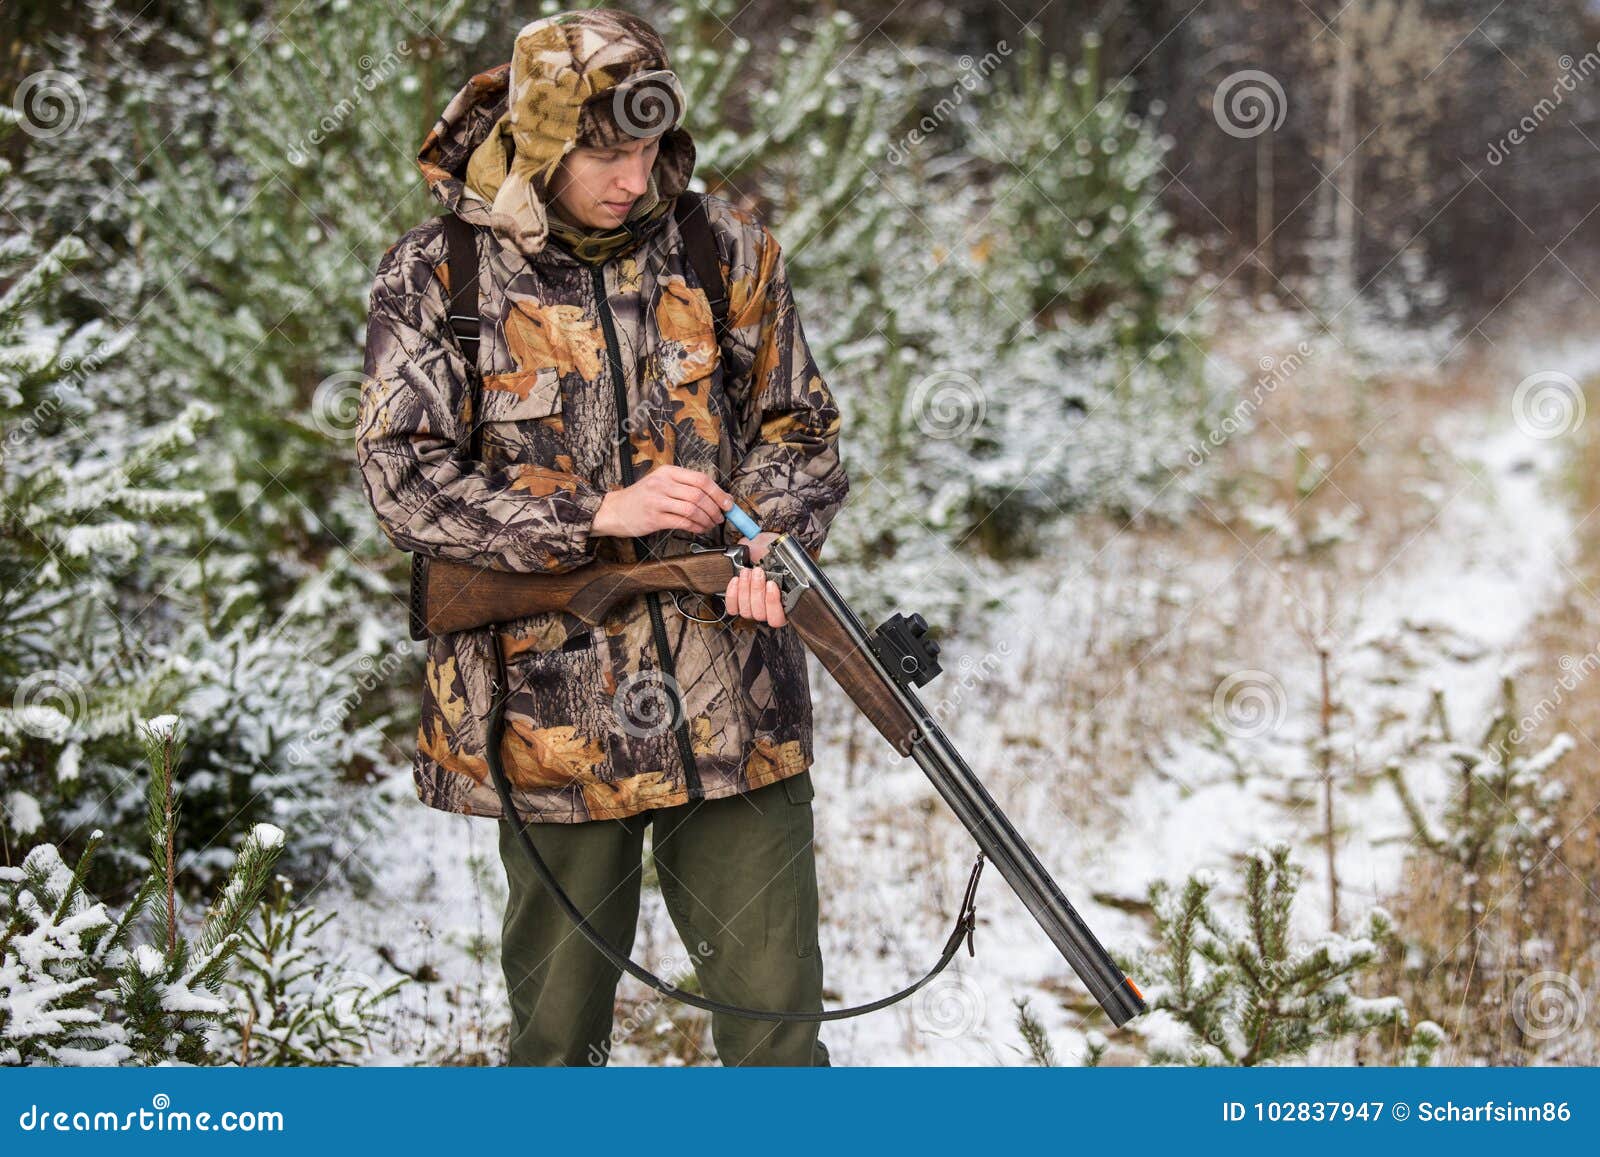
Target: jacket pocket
[(558, 715), (521, 395), (522, 417)]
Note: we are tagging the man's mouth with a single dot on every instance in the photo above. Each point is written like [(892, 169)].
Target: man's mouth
[(618, 206)]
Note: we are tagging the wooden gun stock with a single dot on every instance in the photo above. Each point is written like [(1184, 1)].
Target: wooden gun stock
[(455, 596)]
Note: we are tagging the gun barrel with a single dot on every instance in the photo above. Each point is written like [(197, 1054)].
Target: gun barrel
[(964, 792), (1028, 878)]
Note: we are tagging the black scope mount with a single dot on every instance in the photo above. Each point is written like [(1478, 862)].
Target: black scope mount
[(903, 647)]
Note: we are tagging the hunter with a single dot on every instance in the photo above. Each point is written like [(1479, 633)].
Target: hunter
[(596, 343)]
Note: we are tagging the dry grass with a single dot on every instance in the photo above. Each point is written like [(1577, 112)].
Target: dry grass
[(1534, 924)]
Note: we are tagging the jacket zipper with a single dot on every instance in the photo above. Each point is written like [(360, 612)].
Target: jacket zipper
[(691, 770)]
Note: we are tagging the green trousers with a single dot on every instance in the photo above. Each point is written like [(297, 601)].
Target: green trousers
[(739, 879)]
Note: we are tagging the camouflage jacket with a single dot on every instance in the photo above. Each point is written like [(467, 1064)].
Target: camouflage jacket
[(589, 730)]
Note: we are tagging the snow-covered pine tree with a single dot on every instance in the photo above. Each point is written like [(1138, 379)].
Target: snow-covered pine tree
[(72, 989), (1097, 369), (1076, 210), (259, 248), (114, 73), (107, 536), (926, 259), (1503, 808), (297, 1006), (56, 949), (80, 501), (169, 993), (1040, 1051), (249, 262), (1225, 992)]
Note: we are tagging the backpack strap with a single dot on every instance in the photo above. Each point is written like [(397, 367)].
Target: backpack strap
[(464, 317), (462, 310), (694, 223)]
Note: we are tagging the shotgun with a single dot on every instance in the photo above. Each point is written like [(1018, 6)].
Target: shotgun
[(879, 671)]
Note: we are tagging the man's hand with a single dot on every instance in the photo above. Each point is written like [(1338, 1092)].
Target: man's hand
[(750, 593), (677, 498), (667, 498), (758, 545)]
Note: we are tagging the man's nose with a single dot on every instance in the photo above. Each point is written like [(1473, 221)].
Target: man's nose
[(636, 177)]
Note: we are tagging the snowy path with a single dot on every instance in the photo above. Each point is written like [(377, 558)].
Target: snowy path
[(1456, 602)]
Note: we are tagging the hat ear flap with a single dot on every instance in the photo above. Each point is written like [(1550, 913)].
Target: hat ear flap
[(519, 209)]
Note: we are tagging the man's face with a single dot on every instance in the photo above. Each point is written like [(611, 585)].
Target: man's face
[(597, 187)]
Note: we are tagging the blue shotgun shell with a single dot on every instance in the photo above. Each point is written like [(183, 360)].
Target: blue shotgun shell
[(742, 522)]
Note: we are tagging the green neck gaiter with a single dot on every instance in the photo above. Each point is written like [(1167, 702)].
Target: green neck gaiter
[(595, 247)]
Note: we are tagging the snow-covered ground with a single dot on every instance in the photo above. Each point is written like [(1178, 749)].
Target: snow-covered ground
[(1452, 605)]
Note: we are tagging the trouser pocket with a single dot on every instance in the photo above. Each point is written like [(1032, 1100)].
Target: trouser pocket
[(799, 792)]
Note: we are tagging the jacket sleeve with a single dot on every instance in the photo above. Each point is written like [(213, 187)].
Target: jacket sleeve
[(790, 478), (429, 499)]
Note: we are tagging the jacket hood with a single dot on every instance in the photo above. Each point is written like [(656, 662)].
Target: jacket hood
[(595, 78)]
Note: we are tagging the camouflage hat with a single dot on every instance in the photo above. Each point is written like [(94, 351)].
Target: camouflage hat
[(642, 105), (594, 78)]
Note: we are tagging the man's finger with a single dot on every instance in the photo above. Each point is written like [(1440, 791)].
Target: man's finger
[(698, 498), (686, 509), (708, 484), (754, 596)]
